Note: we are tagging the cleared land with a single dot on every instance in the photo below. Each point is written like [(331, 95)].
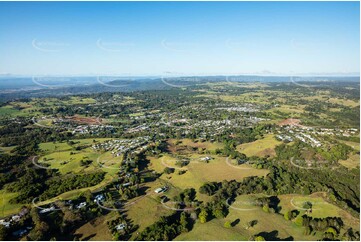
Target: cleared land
[(243, 212), (198, 172), (320, 207), (7, 208), (260, 147)]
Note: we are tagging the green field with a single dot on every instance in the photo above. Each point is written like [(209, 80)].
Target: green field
[(6, 149), (199, 172), (69, 161), (7, 208), (243, 210), (320, 207), (260, 147), (9, 111)]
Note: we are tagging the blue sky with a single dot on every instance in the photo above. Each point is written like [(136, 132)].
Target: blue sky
[(153, 38)]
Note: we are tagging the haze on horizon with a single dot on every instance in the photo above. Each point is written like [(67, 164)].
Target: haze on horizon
[(181, 38)]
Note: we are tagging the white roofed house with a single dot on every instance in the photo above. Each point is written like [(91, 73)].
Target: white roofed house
[(120, 227)]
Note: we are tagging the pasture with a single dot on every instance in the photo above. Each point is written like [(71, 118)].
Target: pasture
[(261, 147), (199, 172)]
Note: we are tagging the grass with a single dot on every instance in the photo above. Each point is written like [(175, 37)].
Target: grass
[(96, 229), (212, 230), (7, 208), (211, 146), (69, 161), (145, 212), (50, 147), (320, 208), (8, 110), (80, 100), (244, 210), (199, 172), (53, 147), (344, 102), (353, 161), (288, 109), (353, 145), (6, 149), (260, 147), (266, 222)]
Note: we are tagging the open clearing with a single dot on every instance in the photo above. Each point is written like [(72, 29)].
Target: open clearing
[(175, 144), (260, 147), (199, 172), (353, 161), (97, 229), (69, 161), (320, 207), (243, 211), (6, 208)]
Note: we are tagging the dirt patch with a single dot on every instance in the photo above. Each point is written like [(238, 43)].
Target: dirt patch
[(85, 120), (291, 122), (268, 152)]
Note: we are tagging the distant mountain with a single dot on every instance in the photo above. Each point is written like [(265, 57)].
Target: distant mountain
[(24, 87)]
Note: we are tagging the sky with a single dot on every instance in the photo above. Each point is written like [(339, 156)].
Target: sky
[(179, 38)]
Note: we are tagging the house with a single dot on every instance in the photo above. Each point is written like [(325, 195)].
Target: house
[(120, 227), (15, 218), (158, 190), (161, 189), (99, 198), (6, 224), (206, 158), (127, 184), (81, 205), (45, 210)]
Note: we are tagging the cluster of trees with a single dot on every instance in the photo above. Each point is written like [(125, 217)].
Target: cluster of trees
[(182, 162), (289, 215), (331, 226), (269, 204), (60, 185), (331, 154), (125, 232), (168, 170), (11, 167), (31, 184), (210, 188), (128, 192), (167, 228), (188, 195), (285, 179), (351, 235)]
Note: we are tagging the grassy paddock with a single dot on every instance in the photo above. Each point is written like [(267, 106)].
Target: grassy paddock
[(260, 147)]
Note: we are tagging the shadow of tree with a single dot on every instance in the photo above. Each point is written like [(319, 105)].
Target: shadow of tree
[(273, 236), (235, 222)]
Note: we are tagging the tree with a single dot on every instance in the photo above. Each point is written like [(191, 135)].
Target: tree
[(307, 205), (168, 170), (41, 228), (218, 213), (183, 222), (265, 208), (308, 230), (251, 223), (3, 233), (287, 215), (227, 224), (203, 216), (259, 238), (332, 231)]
